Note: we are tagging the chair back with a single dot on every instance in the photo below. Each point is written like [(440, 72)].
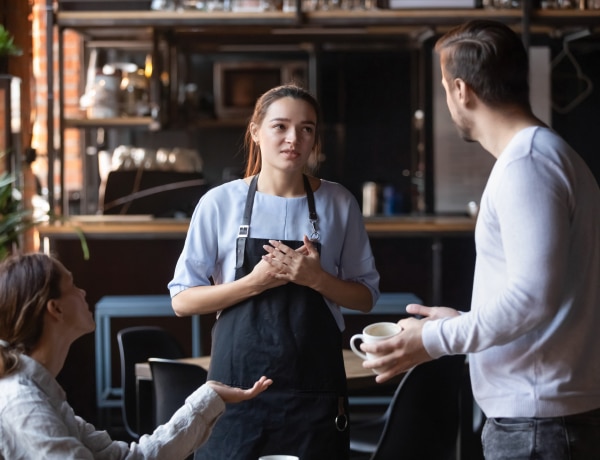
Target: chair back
[(136, 345), (173, 382), (424, 414), (160, 193)]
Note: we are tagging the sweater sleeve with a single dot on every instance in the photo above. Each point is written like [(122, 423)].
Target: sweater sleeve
[(522, 239)]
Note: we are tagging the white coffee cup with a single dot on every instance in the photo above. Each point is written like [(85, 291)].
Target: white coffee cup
[(279, 457), (375, 332)]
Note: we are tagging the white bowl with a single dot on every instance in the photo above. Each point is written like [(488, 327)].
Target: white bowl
[(279, 457)]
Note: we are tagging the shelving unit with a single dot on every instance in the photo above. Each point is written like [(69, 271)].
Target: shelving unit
[(315, 30), (123, 23)]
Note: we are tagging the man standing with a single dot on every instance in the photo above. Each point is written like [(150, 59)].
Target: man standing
[(533, 330)]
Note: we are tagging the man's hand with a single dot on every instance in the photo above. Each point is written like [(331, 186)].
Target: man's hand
[(431, 312), (399, 353), (405, 350)]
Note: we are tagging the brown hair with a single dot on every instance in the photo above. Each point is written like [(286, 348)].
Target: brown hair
[(253, 160), (490, 58), (27, 283)]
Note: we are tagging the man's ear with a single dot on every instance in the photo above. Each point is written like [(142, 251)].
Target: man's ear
[(464, 91), (460, 87)]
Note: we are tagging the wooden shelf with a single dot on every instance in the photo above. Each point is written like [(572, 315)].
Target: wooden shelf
[(315, 24), (169, 19), (198, 19), (120, 122)]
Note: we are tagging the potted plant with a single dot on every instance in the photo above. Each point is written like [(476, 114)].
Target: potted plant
[(14, 219), (7, 49)]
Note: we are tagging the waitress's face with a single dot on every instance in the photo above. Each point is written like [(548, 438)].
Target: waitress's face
[(76, 313), (287, 134)]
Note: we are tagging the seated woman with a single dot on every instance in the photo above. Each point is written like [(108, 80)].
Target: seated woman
[(42, 312)]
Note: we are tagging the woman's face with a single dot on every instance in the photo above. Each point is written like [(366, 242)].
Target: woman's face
[(76, 312), (286, 136)]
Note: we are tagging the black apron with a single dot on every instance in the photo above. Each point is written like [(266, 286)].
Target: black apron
[(288, 334)]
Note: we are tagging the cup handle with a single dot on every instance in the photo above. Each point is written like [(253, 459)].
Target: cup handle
[(355, 349)]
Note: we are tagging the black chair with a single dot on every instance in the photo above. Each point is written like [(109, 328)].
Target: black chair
[(173, 381), (422, 420), (136, 345), (160, 193)]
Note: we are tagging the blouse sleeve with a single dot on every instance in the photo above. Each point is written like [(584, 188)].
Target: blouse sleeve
[(197, 261), (37, 429), (31, 427), (187, 430), (356, 262)]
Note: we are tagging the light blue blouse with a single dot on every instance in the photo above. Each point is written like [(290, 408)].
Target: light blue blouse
[(209, 248)]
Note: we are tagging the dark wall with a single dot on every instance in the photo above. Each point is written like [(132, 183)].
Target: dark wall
[(406, 265), (366, 103), (576, 96)]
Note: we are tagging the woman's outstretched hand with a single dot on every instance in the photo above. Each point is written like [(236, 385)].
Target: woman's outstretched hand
[(235, 395)]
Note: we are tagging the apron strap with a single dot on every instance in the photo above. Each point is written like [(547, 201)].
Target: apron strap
[(245, 226), (312, 210), (244, 230)]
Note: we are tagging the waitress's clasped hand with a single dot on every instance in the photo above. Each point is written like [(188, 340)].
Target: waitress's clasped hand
[(301, 266), (405, 350)]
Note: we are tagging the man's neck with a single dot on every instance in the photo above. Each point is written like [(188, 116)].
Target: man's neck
[(497, 128)]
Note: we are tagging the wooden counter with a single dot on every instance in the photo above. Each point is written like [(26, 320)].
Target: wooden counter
[(433, 231), (141, 227), (145, 228), (426, 226)]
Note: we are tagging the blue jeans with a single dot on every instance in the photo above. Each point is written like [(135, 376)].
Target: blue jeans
[(574, 437)]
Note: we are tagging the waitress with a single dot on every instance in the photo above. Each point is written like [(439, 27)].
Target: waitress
[(275, 255)]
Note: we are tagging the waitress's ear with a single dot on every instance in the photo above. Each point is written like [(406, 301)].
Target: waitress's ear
[(254, 131)]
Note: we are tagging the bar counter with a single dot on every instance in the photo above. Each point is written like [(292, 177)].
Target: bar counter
[(136, 227), (141, 228)]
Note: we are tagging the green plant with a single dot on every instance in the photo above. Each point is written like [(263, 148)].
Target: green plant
[(14, 219), (7, 45)]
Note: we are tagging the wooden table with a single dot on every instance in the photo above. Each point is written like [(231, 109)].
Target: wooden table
[(359, 380), (358, 377)]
